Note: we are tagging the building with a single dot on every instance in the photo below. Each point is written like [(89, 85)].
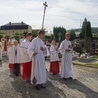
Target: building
[(12, 28)]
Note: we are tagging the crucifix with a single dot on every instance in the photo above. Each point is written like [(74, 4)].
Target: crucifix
[(45, 6)]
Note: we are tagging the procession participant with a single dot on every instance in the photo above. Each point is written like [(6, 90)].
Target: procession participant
[(0, 51), (54, 59), (36, 51), (11, 41), (4, 45), (26, 67), (22, 39), (15, 58), (46, 52), (66, 51)]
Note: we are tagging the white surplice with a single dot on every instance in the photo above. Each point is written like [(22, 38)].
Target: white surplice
[(21, 40), (66, 66), (15, 58), (25, 45), (46, 52), (0, 51), (53, 54), (11, 42), (38, 71)]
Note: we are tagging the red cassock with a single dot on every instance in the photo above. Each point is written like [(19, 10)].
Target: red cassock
[(5, 46), (11, 66), (26, 70), (54, 67)]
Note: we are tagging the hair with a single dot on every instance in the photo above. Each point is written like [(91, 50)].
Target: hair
[(11, 36), (41, 32), (23, 34), (15, 41), (28, 34), (67, 33), (53, 42)]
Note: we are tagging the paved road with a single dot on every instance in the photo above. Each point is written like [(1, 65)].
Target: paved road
[(84, 84)]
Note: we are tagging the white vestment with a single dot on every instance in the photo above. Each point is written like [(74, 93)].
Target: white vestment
[(25, 45), (15, 58), (38, 62), (53, 54), (66, 66), (11, 42), (46, 52), (0, 51), (21, 40)]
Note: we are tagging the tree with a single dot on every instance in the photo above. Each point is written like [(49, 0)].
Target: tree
[(34, 33), (86, 30), (57, 30), (72, 35)]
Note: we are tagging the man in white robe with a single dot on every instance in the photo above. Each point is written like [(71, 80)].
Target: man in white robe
[(66, 51), (36, 51)]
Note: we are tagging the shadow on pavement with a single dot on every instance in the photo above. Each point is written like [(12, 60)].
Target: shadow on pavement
[(75, 84), (28, 90), (0, 63)]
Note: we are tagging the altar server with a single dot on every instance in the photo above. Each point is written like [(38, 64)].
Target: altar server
[(15, 58), (54, 59), (26, 67), (0, 51), (66, 51)]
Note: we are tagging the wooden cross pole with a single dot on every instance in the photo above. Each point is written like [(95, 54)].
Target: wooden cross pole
[(45, 6)]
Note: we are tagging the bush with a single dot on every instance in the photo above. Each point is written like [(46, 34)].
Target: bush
[(17, 37)]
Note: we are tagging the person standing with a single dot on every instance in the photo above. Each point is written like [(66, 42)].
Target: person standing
[(54, 59), (66, 65), (26, 67), (46, 52), (0, 51), (22, 39), (15, 58), (11, 41), (4, 45), (36, 51)]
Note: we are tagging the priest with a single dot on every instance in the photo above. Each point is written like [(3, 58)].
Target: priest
[(36, 51), (66, 65), (26, 67)]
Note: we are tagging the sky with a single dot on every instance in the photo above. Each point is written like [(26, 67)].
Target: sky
[(67, 13)]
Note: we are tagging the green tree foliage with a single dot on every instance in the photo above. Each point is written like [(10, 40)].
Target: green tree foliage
[(86, 30), (34, 33), (72, 34), (57, 30)]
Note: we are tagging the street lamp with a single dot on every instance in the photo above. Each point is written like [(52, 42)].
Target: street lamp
[(45, 6)]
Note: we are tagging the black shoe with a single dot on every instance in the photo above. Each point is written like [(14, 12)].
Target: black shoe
[(43, 86), (70, 78), (65, 79), (38, 87), (17, 75), (28, 81)]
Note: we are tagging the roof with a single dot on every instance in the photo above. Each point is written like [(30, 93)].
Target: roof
[(15, 24)]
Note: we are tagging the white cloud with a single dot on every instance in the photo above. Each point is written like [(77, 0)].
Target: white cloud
[(65, 13)]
